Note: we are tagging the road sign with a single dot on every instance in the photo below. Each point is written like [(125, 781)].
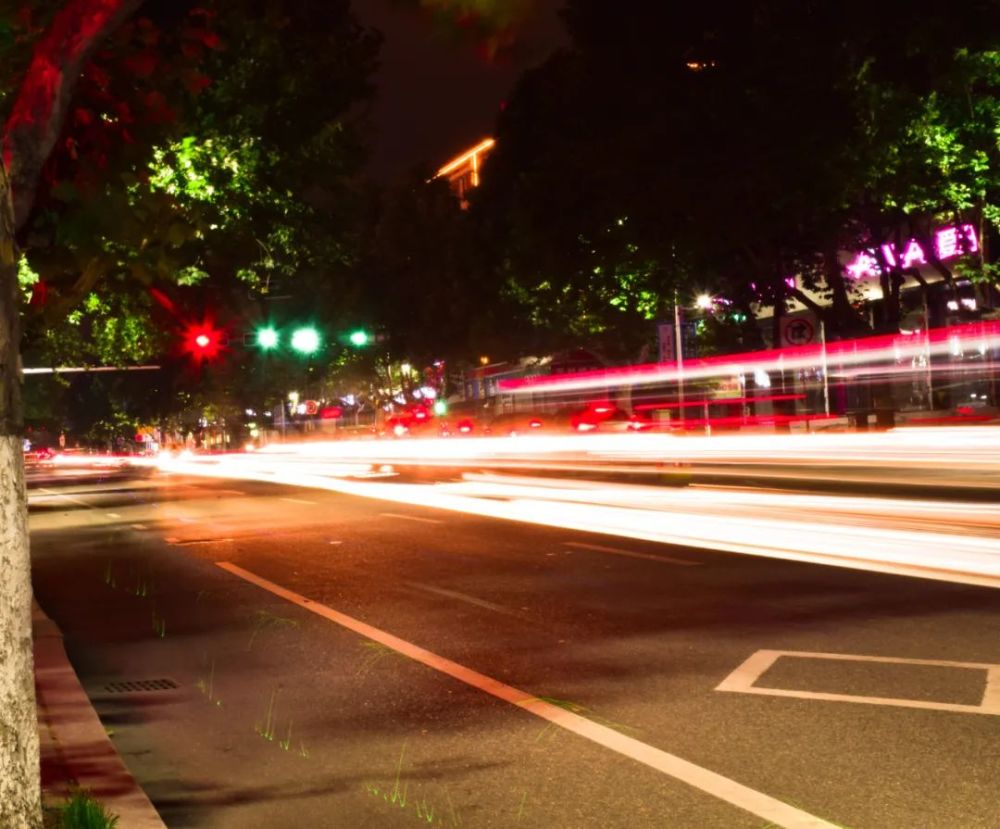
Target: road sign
[(311, 407), (798, 330)]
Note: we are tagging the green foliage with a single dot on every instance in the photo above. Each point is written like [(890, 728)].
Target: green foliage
[(671, 147), (26, 277), (83, 812), (206, 144), (429, 287), (113, 326)]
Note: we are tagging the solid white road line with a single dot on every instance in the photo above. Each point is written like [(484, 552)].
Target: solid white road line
[(764, 806), (631, 554), (743, 678), (463, 597), (410, 517), (298, 501)]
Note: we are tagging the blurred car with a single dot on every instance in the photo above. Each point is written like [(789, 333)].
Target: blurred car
[(603, 416), (40, 455), (462, 426), (521, 423)]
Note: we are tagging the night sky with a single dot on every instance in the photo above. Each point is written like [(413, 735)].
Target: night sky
[(436, 94)]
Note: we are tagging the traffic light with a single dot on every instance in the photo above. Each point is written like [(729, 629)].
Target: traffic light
[(268, 338), (305, 340), (360, 338), (202, 340), (440, 407)]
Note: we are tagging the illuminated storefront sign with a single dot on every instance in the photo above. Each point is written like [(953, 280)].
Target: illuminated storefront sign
[(949, 243)]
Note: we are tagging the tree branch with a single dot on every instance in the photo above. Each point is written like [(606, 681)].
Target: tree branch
[(37, 116)]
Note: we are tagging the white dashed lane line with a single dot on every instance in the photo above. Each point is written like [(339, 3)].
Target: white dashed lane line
[(464, 597), (410, 517), (616, 551)]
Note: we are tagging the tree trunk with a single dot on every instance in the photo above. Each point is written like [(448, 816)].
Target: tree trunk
[(20, 795), (33, 126)]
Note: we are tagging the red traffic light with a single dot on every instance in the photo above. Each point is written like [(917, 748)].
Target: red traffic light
[(202, 340)]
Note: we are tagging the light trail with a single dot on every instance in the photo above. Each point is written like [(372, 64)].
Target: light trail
[(981, 338), (912, 457), (928, 538)]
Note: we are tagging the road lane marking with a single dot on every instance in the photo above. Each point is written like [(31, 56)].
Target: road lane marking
[(139, 527), (70, 498), (835, 544), (336, 542), (411, 517), (195, 541), (298, 501), (743, 678), (112, 515), (464, 597), (631, 554), (736, 794)]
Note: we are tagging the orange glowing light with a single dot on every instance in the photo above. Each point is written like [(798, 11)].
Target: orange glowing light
[(468, 157)]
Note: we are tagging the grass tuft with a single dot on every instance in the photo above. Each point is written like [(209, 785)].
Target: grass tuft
[(83, 812)]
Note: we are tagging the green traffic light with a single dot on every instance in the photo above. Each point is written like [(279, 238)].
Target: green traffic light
[(359, 338), (305, 340), (440, 407), (267, 338)]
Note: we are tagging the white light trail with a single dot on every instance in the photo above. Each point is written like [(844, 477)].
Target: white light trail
[(928, 539)]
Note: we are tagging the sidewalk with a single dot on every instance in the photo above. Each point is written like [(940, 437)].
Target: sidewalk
[(76, 750)]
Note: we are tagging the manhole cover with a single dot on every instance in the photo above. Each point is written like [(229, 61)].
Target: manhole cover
[(131, 686)]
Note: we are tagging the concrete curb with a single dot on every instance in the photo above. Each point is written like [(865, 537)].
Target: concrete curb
[(76, 749)]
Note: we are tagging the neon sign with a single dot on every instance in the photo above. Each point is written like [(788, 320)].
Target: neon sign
[(949, 243)]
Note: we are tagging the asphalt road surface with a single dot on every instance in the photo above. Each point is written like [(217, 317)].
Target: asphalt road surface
[(359, 663)]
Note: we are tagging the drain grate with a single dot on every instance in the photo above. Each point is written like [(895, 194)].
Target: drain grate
[(133, 685)]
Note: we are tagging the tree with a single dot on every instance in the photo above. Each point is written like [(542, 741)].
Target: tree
[(687, 147), (162, 228), (35, 120)]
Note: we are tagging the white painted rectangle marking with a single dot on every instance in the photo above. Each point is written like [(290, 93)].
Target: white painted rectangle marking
[(298, 501), (776, 812), (410, 517), (599, 548), (743, 678)]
